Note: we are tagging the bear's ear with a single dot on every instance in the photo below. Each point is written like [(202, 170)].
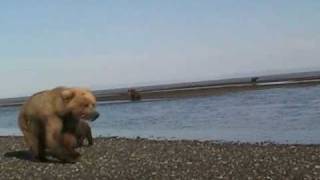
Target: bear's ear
[(67, 94)]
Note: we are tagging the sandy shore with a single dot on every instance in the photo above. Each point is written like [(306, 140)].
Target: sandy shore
[(119, 158)]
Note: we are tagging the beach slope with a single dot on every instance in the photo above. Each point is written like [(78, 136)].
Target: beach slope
[(120, 158)]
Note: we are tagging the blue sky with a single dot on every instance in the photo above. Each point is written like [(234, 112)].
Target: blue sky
[(106, 44)]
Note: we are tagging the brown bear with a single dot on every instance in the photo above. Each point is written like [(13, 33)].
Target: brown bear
[(45, 115), (134, 95), (81, 130)]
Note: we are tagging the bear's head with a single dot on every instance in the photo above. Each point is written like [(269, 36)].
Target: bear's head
[(81, 103)]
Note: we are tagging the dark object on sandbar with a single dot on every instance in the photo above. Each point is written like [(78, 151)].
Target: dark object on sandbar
[(134, 95), (254, 79)]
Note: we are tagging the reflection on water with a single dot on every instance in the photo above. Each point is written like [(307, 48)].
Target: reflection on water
[(282, 115)]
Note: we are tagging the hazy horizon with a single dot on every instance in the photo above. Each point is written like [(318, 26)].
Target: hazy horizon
[(107, 44)]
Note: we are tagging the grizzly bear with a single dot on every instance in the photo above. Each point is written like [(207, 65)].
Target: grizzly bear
[(134, 95), (81, 130), (45, 115)]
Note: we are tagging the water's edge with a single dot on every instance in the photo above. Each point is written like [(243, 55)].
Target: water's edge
[(278, 115)]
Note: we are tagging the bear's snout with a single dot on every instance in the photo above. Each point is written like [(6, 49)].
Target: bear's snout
[(94, 116)]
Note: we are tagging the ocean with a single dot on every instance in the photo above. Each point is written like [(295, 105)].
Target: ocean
[(279, 115)]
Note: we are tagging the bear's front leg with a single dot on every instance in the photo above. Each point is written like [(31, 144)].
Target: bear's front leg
[(56, 141), (89, 137), (70, 143)]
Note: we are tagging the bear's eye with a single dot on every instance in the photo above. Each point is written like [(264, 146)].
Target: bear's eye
[(86, 105)]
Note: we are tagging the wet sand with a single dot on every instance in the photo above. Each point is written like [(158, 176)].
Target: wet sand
[(120, 158)]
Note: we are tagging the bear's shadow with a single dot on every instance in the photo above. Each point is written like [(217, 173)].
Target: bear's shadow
[(27, 156), (22, 155)]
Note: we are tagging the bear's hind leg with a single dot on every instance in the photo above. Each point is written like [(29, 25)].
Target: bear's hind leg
[(31, 133)]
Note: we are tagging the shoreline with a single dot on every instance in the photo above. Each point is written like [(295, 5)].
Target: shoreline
[(160, 139), (123, 158), (215, 140)]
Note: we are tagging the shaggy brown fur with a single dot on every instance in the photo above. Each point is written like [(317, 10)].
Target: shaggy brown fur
[(45, 114)]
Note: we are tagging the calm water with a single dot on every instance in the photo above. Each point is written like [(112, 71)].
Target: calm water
[(282, 115)]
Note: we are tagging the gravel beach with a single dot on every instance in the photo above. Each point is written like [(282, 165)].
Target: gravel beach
[(120, 158)]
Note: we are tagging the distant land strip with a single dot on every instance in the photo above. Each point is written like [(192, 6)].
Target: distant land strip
[(190, 89)]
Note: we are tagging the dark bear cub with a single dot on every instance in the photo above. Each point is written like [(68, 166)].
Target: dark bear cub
[(81, 131)]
